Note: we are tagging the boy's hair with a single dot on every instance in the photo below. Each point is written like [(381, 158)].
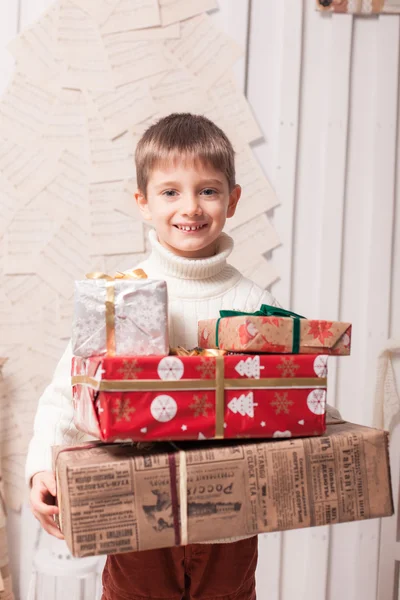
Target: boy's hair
[(183, 134)]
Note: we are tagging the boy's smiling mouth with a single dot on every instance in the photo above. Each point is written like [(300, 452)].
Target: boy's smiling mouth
[(191, 228)]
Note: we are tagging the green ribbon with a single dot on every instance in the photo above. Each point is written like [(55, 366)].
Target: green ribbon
[(266, 311)]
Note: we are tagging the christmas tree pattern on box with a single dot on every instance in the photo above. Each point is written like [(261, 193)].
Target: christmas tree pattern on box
[(146, 398)]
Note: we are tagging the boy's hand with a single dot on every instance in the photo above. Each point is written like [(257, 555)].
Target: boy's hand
[(42, 497)]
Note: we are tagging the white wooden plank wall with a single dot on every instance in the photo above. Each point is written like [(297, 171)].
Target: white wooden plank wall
[(325, 92)]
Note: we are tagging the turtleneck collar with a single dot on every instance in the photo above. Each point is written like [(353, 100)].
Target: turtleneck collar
[(170, 265)]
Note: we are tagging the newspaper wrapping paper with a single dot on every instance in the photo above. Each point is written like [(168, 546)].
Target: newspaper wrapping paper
[(199, 397), (274, 334), (115, 498), (140, 321)]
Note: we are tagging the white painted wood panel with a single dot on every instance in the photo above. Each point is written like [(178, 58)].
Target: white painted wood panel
[(290, 28), (267, 34), (354, 550), (378, 249), (309, 546), (345, 538)]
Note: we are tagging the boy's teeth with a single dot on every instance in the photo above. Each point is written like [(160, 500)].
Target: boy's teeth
[(187, 228)]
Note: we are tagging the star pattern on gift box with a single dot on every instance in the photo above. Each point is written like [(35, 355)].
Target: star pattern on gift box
[(320, 330), (123, 410), (281, 403), (200, 405), (206, 368), (288, 367), (130, 369)]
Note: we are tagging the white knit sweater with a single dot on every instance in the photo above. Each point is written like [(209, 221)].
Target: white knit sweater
[(197, 289)]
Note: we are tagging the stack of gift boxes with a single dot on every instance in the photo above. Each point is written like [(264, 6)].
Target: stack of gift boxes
[(228, 439)]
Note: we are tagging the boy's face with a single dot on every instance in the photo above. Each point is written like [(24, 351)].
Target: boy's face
[(188, 204)]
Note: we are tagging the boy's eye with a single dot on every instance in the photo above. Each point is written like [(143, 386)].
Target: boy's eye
[(208, 192), (169, 193)]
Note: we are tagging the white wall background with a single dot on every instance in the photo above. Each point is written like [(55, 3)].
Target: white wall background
[(325, 92)]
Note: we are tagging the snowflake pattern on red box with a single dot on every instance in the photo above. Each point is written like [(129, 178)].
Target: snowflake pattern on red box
[(123, 410), (158, 398)]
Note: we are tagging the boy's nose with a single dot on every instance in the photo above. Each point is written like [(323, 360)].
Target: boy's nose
[(191, 206)]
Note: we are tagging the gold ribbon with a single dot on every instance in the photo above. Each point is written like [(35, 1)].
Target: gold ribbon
[(180, 351), (110, 300), (219, 384), (219, 397), (183, 497), (152, 385)]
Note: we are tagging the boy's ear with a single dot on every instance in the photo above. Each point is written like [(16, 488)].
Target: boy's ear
[(143, 205), (234, 198)]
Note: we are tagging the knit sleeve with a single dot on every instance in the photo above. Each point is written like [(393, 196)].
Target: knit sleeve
[(53, 424), (268, 298), (253, 296)]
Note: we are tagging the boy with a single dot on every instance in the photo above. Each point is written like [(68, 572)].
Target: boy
[(187, 190)]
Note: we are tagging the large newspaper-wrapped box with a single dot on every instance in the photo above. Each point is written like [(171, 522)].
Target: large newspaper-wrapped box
[(116, 498)]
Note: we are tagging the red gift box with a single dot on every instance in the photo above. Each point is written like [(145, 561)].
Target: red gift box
[(146, 398)]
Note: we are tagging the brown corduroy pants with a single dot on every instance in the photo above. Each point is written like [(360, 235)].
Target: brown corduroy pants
[(194, 572)]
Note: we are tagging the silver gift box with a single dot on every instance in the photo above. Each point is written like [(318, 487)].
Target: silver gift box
[(141, 317)]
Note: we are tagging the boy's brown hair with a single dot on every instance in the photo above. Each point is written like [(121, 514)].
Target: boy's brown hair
[(183, 134)]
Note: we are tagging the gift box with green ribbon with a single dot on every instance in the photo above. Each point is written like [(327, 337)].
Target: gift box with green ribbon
[(274, 330)]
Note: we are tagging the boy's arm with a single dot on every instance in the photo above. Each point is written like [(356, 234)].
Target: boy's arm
[(53, 422), (268, 298)]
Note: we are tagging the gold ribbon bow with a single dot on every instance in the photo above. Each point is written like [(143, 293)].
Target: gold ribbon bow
[(110, 300)]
